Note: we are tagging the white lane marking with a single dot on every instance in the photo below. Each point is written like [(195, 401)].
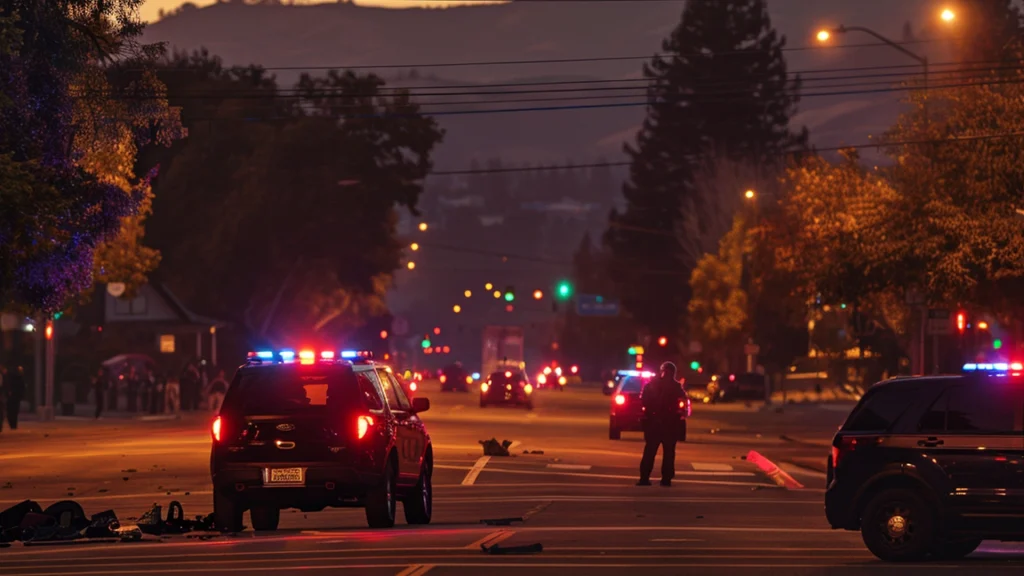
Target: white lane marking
[(569, 466), (416, 570), (491, 539), (474, 471), (515, 444), (618, 476), (710, 467), (596, 475)]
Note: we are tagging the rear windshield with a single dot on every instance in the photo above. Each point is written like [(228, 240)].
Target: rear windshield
[(882, 406), (292, 390), (632, 384), (500, 378)]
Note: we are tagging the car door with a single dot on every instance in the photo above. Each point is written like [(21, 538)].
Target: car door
[(973, 434), (409, 435)]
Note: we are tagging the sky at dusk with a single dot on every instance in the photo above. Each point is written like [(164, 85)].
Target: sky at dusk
[(151, 8)]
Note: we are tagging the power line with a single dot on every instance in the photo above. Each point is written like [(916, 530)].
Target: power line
[(532, 62), (880, 144)]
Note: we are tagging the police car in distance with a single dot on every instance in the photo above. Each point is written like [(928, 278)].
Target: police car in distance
[(314, 429), (932, 465), (508, 387), (627, 411)]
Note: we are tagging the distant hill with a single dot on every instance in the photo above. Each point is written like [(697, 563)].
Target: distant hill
[(345, 35)]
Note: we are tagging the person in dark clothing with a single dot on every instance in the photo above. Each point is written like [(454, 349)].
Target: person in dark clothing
[(660, 399), (99, 389), (14, 389)]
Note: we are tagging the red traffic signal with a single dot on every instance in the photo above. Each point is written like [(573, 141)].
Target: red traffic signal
[(662, 341), (961, 322)]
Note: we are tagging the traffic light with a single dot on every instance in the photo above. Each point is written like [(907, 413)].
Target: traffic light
[(997, 344), (58, 315), (694, 365), (564, 290), (663, 341), (383, 334), (510, 294), (426, 342), (961, 322)]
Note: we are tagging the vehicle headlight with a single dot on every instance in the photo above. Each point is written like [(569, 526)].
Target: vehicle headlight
[(484, 387)]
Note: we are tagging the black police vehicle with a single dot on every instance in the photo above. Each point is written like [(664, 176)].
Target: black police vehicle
[(931, 466), (314, 430), (507, 387)]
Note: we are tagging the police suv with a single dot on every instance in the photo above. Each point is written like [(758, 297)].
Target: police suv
[(931, 466), (317, 429)]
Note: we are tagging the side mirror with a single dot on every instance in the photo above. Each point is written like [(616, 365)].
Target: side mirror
[(420, 405)]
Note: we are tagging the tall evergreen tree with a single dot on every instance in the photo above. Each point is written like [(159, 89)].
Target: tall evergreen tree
[(721, 92), (989, 31)]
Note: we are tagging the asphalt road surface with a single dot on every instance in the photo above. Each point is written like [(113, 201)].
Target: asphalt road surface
[(724, 515)]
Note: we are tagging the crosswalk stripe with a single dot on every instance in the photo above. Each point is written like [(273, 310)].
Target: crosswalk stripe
[(710, 467)]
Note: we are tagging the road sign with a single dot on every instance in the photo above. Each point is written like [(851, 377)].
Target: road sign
[(751, 349), (939, 322), (592, 305), (399, 326)]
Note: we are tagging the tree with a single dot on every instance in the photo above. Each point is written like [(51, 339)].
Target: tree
[(988, 31), (718, 308), (723, 93), (53, 213), (120, 109), (310, 241)]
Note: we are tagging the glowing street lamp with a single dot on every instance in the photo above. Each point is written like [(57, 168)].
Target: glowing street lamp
[(411, 265), (414, 246), (824, 35), (456, 308), (488, 286), (468, 293), (947, 15), (537, 294), (749, 194), (423, 226), (497, 293)]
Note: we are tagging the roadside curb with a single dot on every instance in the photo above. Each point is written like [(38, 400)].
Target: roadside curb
[(777, 475), (814, 443)]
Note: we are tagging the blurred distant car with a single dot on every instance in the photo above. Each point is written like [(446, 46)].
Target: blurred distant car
[(410, 386), (555, 376), (509, 388), (627, 412), (455, 378)]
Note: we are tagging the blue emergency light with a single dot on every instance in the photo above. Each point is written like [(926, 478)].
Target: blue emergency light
[(993, 366), (636, 373), (349, 354)]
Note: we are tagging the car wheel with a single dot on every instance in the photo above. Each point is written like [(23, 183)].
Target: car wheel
[(682, 430), (954, 549), (265, 518), (380, 501), (614, 433), (419, 506), (227, 513), (898, 526)]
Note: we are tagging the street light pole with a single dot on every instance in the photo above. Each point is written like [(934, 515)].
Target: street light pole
[(922, 60)]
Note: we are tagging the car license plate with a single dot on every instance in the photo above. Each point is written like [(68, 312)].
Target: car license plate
[(286, 476)]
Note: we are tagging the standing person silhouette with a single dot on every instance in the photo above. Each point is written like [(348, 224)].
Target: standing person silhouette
[(660, 399)]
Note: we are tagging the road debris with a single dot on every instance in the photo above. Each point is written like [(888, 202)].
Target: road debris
[(493, 448), (497, 549)]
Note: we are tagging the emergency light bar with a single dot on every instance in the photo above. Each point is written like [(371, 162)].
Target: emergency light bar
[(637, 373), (993, 366), (305, 356)]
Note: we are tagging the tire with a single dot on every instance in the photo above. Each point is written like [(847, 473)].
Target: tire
[(682, 430), (227, 513), (898, 526), (954, 549), (380, 500), (419, 505), (265, 518), (613, 432)]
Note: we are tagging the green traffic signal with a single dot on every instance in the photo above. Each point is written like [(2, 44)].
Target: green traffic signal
[(58, 315), (509, 297), (564, 290), (694, 365), (632, 351), (997, 344), (425, 343)]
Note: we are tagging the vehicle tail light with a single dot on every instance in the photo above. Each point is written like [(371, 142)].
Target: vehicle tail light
[(574, 369), (732, 377), (363, 425), (542, 379), (844, 445), (508, 374), (528, 389), (412, 386), (443, 378), (469, 379), (620, 399), (484, 387), (216, 428)]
